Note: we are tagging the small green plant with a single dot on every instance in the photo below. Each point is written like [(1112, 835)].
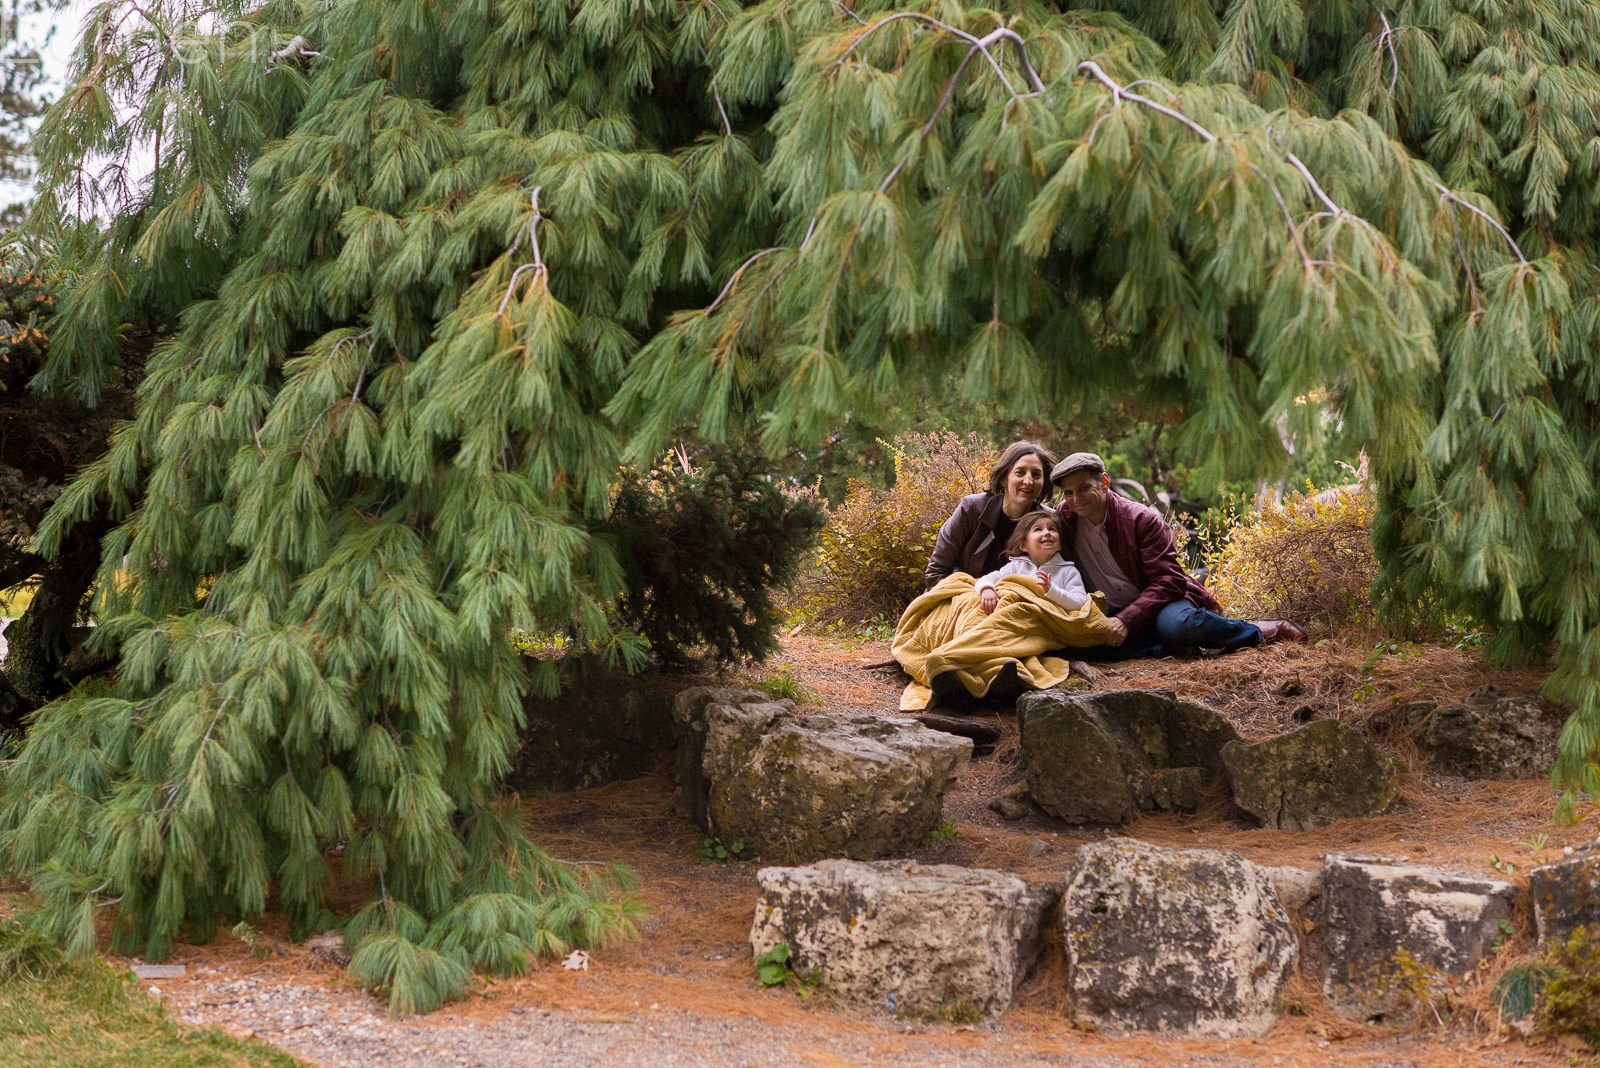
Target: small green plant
[(1425, 984), (942, 833), (1516, 993), (784, 685), (772, 967), (1500, 864), (880, 628), (1506, 932), (254, 940), (1537, 840), (714, 849), (1466, 639)]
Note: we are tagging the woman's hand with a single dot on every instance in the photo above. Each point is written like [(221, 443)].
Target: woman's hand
[(989, 600)]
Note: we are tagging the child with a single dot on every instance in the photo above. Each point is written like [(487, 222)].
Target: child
[(1035, 550)]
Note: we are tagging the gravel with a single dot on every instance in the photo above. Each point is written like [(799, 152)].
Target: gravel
[(334, 1027)]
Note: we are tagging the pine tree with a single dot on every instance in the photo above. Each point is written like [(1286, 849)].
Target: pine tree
[(426, 273)]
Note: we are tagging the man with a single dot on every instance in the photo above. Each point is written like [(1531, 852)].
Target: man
[(1125, 550)]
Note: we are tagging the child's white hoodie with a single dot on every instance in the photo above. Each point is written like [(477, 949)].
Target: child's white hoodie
[(1066, 585)]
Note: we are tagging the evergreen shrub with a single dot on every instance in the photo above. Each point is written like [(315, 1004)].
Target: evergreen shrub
[(1309, 559), (875, 546), (702, 551)]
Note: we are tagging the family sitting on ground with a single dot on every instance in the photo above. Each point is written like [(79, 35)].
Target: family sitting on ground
[(1008, 584)]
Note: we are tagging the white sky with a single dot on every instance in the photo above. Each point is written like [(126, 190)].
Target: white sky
[(54, 34)]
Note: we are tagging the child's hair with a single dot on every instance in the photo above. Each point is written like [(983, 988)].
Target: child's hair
[(1017, 545)]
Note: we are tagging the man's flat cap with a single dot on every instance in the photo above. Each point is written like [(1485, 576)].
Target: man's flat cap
[(1078, 461)]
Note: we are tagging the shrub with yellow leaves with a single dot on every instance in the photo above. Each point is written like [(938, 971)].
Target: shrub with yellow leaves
[(876, 543), (1308, 559)]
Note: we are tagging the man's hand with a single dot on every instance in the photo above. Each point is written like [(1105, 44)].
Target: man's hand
[(1119, 631), (989, 600)]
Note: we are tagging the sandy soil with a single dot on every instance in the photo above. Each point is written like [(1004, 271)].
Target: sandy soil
[(682, 993)]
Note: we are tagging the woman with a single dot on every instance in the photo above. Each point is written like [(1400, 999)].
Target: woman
[(974, 538)]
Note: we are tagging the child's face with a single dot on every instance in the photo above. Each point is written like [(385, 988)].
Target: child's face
[(1044, 541)]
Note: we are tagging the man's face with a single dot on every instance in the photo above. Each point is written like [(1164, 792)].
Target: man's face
[(1084, 494)]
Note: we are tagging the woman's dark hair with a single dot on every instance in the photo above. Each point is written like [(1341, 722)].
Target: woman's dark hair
[(1017, 544), (1008, 459)]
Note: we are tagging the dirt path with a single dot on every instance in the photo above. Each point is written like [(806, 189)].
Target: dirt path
[(682, 993)]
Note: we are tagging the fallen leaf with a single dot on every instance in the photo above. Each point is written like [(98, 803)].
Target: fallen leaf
[(577, 961)]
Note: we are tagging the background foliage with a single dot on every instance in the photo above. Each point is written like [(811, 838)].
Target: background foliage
[(871, 554), (1308, 559)]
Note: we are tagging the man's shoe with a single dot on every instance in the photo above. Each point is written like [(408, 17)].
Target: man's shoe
[(1006, 683), (947, 684), (1280, 630)]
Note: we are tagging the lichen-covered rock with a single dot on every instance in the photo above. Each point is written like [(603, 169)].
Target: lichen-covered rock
[(1566, 895), (1186, 942), (798, 788), (912, 937), (1177, 789), (1396, 935), (1320, 773), (1102, 757), (1491, 735), (689, 725), (1296, 887)]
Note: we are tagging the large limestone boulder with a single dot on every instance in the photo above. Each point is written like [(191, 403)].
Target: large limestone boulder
[(1396, 935), (1566, 895), (1490, 735), (1183, 942), (798, 788), (905, 936), (1102, 757), (1322, 772)]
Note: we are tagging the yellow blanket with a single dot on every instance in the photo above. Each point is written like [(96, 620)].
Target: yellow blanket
[(945, 629)]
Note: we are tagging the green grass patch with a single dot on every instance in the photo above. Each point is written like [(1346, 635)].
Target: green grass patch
[(87, 1014)]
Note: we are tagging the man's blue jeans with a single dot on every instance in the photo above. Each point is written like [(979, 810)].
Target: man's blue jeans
[(1179, 624)]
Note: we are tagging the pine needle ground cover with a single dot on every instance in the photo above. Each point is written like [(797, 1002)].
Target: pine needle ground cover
[(690, 973)]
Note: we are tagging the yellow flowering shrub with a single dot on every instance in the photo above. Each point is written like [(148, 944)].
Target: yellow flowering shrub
[(876, 543), (1308, 559)]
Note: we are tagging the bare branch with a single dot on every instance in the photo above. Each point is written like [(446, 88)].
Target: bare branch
[(537, 266), (1122, 93), (1386, 40), (840, 5), (533, 227), (1446, 194), (1316, 188), (978, 44)]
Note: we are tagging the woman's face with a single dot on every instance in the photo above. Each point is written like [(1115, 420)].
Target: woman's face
[(1025, 480)]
